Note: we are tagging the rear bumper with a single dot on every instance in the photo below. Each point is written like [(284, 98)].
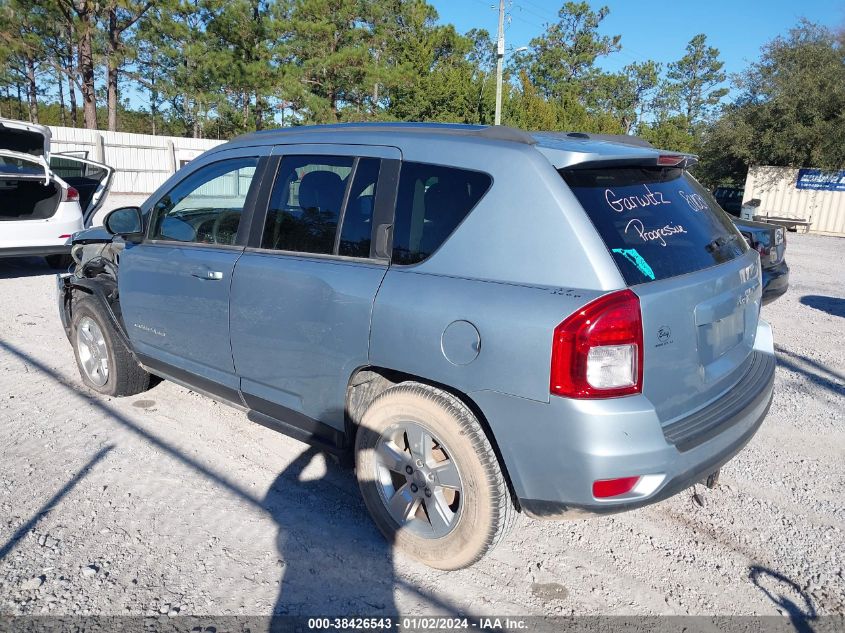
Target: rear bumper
[(554, 451), (35, 251), (775, 282)]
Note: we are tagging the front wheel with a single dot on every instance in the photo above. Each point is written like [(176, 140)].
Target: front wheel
[(105, 363), (430, 477)]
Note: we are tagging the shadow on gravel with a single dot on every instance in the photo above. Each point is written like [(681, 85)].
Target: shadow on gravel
[(23, 530), (19, 267), (332, 565), (831, 305), (331, 562), (778, 588), (814, 371)]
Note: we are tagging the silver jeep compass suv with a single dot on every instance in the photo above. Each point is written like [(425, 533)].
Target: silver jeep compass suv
[(491, 321)]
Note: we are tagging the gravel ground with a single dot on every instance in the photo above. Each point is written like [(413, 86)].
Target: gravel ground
[(171, 503)]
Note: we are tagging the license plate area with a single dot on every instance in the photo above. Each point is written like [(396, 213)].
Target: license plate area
[(717, 338)]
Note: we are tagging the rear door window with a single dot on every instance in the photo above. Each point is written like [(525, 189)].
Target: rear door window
[(305, 204), (355, 234), (431, 202), (656, 222)]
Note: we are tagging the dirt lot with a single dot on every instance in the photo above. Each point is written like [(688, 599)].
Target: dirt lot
[(171, 503)]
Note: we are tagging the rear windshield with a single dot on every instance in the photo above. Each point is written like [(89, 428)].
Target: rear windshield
[(657, 222)]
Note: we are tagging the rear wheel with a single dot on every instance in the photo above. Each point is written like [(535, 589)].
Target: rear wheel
[(105, 363), (59, 261), (430, 478)]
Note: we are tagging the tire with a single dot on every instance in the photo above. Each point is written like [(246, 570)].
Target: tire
[(122, 376), (62, 262), (473, 518)]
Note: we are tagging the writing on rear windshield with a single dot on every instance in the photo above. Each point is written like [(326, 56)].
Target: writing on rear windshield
[(649, 235), (620, 204), (656, 222), (650, 198)]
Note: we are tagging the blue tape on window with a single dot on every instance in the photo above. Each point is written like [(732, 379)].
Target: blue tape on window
[(637, 260)]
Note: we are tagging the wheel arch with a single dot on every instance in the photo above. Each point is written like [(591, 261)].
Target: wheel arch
[(367, 382), (101, 290)]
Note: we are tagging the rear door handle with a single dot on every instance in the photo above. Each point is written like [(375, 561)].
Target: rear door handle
[(210, 275)]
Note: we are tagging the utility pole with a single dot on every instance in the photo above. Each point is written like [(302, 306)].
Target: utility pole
[(500, 58)]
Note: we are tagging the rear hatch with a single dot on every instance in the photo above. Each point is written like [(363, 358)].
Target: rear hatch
[(697, 279), (25, 138)]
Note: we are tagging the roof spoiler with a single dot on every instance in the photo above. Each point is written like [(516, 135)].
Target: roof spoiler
[(620, 139), (683, 161)]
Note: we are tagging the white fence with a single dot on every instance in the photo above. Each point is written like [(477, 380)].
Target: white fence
[(142, 161), (779, 196)]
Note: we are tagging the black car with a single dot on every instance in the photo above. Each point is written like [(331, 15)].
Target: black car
[(729, 198), (770, 241), (767, 239)]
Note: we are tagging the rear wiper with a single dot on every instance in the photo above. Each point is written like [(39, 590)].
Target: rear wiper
[(719, 243)]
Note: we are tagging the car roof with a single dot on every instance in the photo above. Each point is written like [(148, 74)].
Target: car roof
[(561, 148)]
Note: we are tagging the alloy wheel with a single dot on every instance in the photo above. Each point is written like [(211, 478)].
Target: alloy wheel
[(418, 480)]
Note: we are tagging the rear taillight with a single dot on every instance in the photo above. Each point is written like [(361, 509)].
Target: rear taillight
[(72, 195), (597, 352)]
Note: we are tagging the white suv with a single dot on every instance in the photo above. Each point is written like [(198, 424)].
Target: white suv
[(43, 199)]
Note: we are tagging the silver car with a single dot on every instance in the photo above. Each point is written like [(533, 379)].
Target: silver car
[(490, 321)]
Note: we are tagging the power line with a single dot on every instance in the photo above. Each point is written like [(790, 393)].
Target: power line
[(545, 10), (546, 17)]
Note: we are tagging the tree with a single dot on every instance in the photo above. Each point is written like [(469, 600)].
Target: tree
[(23, 30), (120, 17), (331, 59), (670, 132), (79, 20), (693, 81), (185, 75), (444, 82), (791, 110), (566, 53), (627, 95)]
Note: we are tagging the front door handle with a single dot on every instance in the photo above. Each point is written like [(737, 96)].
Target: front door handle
[(210, 275)]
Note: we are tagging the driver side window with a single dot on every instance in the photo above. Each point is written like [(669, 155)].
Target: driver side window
[(206, 206)]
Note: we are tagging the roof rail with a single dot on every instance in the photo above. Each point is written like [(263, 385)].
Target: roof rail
[(505, 133), (493, 132)]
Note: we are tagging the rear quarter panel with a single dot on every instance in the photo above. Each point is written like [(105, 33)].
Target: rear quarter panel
[(511, 352)]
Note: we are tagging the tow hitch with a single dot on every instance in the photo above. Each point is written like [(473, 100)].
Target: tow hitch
[(712, 480)]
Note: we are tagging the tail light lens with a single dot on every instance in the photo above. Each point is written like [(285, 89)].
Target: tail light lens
[(604, 488), (72, 195), (669, 160), (597, 352)]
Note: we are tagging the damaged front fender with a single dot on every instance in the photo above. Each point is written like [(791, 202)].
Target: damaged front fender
[(103, 290)]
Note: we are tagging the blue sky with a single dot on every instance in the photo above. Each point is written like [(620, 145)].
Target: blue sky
[(657, 30)]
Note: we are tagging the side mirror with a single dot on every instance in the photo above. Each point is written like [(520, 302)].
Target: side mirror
[(125, 221)]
